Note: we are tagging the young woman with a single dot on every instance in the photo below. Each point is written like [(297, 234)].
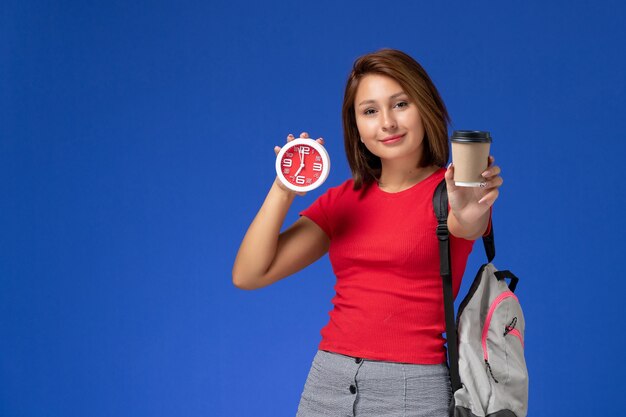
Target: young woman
[(382, 352)]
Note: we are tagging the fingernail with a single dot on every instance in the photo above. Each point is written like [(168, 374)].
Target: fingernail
[(486, 173), (449, 165)]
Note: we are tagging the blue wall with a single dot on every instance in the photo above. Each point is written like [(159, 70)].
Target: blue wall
[(136, 146)]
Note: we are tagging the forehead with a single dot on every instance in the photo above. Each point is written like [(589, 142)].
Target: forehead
[(377, 87)]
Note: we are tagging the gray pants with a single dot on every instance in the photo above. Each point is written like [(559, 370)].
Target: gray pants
[(343, 386)]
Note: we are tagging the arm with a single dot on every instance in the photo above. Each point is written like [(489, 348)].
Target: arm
[(471, 207), (469, 231), (266, 255)]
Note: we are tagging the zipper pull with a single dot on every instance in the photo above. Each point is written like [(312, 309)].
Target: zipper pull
[(490, 371), (510, 327)]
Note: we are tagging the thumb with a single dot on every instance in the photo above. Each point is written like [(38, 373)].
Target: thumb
[(276, 149), (450, 178)]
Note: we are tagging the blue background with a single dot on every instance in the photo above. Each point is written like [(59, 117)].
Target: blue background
[(136, 144)]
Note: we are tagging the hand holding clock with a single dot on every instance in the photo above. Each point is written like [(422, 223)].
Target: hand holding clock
[(313, 168)]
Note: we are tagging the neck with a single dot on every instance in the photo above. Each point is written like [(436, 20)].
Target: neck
[(395, 178)]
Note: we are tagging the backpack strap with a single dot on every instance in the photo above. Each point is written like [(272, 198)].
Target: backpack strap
[(490, 246), (508, 274), (440, 205)]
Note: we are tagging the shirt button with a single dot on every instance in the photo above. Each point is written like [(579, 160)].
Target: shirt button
[(358, 360), (352, 389)]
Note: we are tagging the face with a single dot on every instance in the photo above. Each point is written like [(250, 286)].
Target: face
[(388, 120)]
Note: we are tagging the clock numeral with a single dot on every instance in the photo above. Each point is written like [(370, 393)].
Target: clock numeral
[(318, 158), (305, 150), (309, 180), (289, 154), (287, 162), (317, 166), (286, 171), (300, 179), (316, 175)]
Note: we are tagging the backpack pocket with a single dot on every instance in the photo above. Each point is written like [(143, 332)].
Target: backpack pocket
[(503, 338)]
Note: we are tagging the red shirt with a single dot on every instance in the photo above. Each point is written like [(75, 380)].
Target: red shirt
[(385, 254)]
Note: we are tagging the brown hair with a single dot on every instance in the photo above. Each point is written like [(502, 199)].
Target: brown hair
[(414, 80)]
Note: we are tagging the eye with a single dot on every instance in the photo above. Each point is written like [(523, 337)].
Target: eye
[(402, 104), (369, 112)]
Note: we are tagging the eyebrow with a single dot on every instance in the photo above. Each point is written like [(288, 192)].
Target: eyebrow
[(401, 93)]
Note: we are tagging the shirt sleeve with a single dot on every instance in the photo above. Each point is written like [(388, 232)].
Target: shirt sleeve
[(320, 211)]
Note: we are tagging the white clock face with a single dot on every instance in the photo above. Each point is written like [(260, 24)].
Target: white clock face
[(302, 165)]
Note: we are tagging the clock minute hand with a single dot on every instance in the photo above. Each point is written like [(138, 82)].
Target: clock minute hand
[(301, 156)]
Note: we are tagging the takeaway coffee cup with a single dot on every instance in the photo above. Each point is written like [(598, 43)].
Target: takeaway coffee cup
[(470, 155)]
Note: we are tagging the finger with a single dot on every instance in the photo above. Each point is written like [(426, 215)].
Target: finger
[(489, 198), (449, 176), (276, 149), (490, 160), (492, 183), (492, 171), (320, 141), (449, 172), (290, 137), (304, 135)]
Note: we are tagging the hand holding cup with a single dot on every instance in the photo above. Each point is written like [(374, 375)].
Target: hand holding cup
[(473, 179)]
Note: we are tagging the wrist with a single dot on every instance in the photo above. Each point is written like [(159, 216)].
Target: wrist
[(280, 189), (470, 229)]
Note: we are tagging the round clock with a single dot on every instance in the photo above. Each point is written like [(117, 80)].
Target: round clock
[(302, 165)]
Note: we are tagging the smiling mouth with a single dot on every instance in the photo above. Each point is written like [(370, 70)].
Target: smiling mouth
[(392, 139)]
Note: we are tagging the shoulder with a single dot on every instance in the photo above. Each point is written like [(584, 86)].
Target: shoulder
[(439, 174), (323, 210), (426, 188), (343, 189), (435, 179), (334, 197)]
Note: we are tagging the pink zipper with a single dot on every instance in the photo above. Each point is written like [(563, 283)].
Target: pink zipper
[(492, 309)]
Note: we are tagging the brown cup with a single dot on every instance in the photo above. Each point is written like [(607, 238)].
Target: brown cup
[(470, 155)]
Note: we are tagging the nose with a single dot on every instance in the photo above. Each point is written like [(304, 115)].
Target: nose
[(389, 121)]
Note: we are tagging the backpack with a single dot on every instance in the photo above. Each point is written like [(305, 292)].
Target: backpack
[(486, 343)]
